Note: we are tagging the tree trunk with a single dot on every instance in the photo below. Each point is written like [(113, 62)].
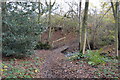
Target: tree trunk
[(115, 14), (88, 43), (84, 25), (84, 45), (1, 6), (80, 4), (119, 28), (117, 4), (49, 23), (39, 15)]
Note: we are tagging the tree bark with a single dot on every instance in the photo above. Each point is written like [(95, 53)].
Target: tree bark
[(119, 27), (49, 23), (115, 14), (80, 5), (88, 43), (84, 25), (39, 15)]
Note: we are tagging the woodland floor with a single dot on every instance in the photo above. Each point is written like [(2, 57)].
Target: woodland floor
[(54, 64)]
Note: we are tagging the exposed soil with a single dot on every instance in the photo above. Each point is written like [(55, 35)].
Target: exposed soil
[(71, 38), (57, 66)]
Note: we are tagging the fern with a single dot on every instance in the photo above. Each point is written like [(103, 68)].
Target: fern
[(94, 58)]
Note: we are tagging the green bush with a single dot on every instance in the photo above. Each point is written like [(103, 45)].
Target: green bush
[(94, 58), (41, 45), (20, 32)]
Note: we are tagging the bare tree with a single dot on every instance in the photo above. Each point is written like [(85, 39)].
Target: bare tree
[(50, 5)]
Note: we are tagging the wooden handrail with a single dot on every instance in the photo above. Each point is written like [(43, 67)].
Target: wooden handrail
[(58, 40)]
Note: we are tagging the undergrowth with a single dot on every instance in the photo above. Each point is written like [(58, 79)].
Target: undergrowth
[(23, 69), (106, 66), (75, 56), (92, 57), (41, 45)]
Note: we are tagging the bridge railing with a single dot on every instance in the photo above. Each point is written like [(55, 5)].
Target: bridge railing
[(61, 40)]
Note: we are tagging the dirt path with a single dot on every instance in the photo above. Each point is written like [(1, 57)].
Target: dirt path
[(57, 66)]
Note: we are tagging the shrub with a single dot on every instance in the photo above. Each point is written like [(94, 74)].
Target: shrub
[(94, 58), (20, 33), (76, 56), (41, 45)]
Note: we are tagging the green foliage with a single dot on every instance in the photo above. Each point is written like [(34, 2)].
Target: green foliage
[(111, 70), (23, 69), (59, 21), (41, 45), (20, 31), (14, 72), (70, 23), (94, 58), (75, 56)]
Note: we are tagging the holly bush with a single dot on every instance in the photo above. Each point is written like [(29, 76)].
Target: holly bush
[(20, 31)]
